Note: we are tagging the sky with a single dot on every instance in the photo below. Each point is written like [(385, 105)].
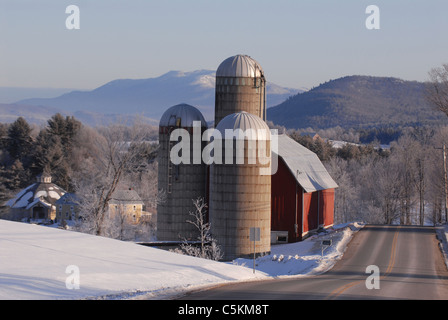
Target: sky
[(299, 43)]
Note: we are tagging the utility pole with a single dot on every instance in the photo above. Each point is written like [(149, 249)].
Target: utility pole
[(445, 182)]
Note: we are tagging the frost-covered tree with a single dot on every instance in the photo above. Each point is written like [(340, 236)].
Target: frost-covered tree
[(437, 88), (208, 247), (110, 159)]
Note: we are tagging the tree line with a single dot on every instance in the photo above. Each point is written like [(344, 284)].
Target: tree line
[(26, 152), (404, 183)]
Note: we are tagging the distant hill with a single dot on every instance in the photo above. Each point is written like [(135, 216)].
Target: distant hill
[(33, 114), (150, 97), (40, 115), (13, 94), (356, 101)]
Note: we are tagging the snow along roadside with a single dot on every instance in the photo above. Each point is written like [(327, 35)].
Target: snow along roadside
[(35, 260), (442, 235)]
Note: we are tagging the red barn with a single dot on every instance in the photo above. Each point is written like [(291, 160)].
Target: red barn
[(302, 192)]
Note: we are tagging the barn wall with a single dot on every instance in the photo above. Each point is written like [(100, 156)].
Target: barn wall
[(318, 207), (326, 208), (283, 203), (310, 211)]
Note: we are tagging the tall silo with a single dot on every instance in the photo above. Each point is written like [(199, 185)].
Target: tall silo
[(240, 192), (240, 86), (180, 182)]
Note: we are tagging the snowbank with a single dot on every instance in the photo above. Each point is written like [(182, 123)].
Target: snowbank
[(305, 258), (442, 235), (38, 262)]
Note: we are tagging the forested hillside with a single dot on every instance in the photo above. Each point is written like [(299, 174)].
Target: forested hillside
[(357, 102)]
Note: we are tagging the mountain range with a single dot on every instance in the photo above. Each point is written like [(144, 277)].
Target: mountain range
[(349, 102), (147, 98)]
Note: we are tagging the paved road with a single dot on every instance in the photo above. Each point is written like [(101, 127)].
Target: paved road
[(408, 259)]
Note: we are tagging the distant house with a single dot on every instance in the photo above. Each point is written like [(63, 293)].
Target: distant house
[(127, 204), (67, 208), (312, 135), (36, 202)]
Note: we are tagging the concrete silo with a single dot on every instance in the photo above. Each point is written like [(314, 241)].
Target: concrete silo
[(181, 182), (240, 195), (240, 86)]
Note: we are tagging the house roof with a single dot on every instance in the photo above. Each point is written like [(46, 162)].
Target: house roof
[(68, 198), (38, 201), (125, 197), (304, 165), (44, 192)]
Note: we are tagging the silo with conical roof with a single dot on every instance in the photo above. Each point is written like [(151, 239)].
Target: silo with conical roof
[(240, 186), (240, 86), (183, 179)]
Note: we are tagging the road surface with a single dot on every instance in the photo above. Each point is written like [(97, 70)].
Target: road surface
[(408, 260)]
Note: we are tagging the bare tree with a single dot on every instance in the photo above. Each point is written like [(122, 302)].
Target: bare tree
[(436, 171), (405, 149), (208, 248), (388, 188), (121, 227), (345, 202), (111, 158), (437, 88)]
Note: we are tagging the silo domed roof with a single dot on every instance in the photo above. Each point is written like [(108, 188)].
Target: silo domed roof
[(245, 121), (186, 113), (240, 66)]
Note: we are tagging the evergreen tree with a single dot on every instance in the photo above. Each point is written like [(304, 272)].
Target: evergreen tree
[(66, 128), (49, 157), (3, 135), (19, 141), (53, 150), (15, 176)]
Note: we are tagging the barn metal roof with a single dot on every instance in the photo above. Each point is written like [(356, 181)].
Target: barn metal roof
[(244, 121), (240, 66), (186, 115), (45, 192), (304, 165)]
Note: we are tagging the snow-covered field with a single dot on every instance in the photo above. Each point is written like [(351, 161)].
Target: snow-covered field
[(38, 262)]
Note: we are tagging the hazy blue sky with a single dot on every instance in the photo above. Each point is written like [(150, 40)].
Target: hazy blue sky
[(299, 43)]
